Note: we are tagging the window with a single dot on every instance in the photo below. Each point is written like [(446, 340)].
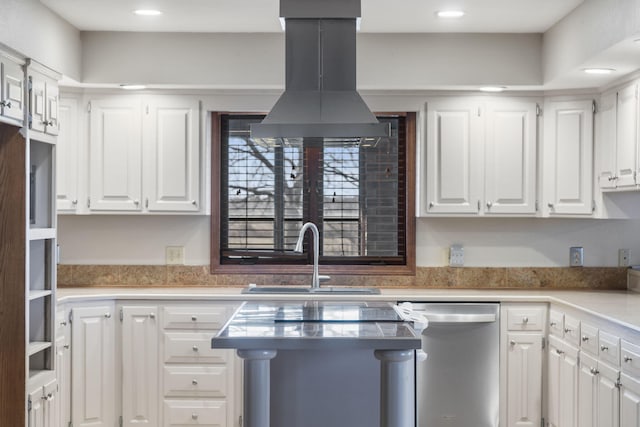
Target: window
[(360, 197)]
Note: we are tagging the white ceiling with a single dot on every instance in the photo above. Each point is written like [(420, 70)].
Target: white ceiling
[(378, 16)]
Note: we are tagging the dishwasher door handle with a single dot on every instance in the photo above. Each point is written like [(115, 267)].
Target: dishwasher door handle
[(459, 317)]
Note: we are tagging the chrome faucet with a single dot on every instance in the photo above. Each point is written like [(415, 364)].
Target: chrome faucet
[(315, 278)]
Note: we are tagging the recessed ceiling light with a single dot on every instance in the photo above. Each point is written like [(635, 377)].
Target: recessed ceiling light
[(493, 88), (450, 14), (132, 87), (147, 12), (598, 70)]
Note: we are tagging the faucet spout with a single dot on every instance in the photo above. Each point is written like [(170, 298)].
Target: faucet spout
[(315, 278)]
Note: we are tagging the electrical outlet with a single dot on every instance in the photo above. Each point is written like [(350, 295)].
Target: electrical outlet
[(174, 255), (576, 256), (623, 257), (456, 256)]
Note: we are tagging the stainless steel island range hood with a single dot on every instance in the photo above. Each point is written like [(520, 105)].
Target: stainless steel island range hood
[(320, 100)]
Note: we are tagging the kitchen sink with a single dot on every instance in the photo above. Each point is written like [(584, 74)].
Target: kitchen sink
[(308, 290)]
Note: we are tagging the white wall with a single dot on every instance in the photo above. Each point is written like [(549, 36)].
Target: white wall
[(488, 242), (593, 27), (32, 30), (241, 61)]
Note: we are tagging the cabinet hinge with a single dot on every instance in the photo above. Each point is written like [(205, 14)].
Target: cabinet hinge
[(538, 110), (146, 109), (593, 206), (28, 404), (89, 107), (594, 107), (479, 112), (70, 316), (121, 314), (88, 202), (30, 84), (120, 421), (618, 384), (536, 207), (544, 342)]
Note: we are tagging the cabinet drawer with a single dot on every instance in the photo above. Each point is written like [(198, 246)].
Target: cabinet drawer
[(589, 339), (572, 330), (195, 381), (525, 318), (195, 317), (556, 323), (192, 347), (630, 359), (609, 346), (209, 413)]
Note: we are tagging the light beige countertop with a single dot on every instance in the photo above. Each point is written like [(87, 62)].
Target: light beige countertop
[(622, 307)]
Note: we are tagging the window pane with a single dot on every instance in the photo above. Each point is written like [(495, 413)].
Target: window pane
[(355, 193)]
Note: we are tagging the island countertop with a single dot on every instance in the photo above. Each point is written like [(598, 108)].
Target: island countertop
[(305, 325)]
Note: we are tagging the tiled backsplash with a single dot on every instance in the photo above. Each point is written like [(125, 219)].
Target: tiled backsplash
[(426, 277)]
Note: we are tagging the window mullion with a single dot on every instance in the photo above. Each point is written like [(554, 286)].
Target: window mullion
[(278, 196)]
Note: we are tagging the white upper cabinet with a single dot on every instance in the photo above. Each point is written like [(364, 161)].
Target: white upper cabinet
[(510, 155), (143, 155), (568, 158), (617, 139), (480, 156), (171, 154), (12, 91), (44, 99), (454, 156), (115, 150), (67, 149)]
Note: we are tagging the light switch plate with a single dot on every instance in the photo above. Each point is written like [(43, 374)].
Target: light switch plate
[(576, 256), (623, 257)]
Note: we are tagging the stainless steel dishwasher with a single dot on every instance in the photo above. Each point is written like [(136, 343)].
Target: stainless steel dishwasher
[(458, 383)]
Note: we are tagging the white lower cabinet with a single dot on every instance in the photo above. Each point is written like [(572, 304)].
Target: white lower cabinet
[(43, 405), (140, 395), (93, 366), (522, 353), (200, 384), (562, 384), (629, 401), (598, 394)]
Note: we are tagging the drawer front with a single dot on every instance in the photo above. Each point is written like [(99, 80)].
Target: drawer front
[(182, 413), (589, 338), (609, 348), (195, 317), (556, 323), (192, 347), (195, 381), (630, 355), (525, 318), (572, 330)]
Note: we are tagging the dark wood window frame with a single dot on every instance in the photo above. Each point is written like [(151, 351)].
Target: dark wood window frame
[(410, 229)]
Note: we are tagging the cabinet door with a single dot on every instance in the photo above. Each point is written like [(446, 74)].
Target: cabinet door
[(172, 154), (51, 413), (568, 157), (606, 141), (627, 122), (510, 157), (587, 391), (63, 376), (67, 147), (454, 156), (37, 104), (524, 380), (629, 401), (93, 367), (608, 396), (569, 388), (140, 355), (52, 108), (115, 152), (36, 413), (12, 90), (554, 356)]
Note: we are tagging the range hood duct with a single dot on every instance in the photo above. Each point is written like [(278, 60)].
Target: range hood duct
[(320, 98)]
